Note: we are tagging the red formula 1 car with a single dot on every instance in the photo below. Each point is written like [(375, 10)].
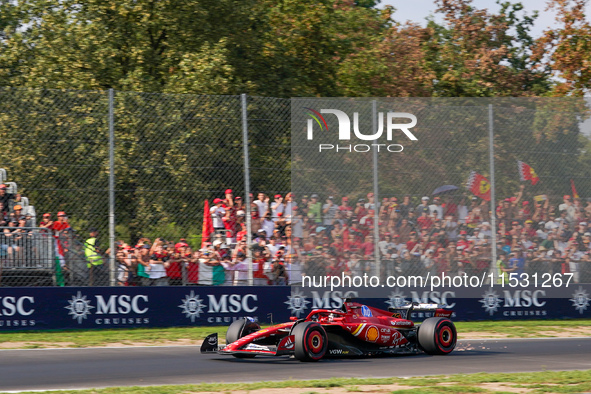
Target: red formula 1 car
[(353, 330)]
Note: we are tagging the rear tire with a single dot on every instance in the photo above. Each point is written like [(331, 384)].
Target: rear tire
[(311, 341), (238, 329), (437, 335)]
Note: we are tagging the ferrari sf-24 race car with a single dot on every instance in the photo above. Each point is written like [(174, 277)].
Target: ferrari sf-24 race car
[(353, 330)]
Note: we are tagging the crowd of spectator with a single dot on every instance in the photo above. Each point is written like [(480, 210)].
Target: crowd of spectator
[(449, 234)]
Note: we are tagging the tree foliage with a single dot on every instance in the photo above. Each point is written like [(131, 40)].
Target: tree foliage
[(271, 48), (274, 48)]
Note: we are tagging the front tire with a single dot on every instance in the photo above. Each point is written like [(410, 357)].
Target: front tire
[(437, 335), (241, 328), (311, 341)]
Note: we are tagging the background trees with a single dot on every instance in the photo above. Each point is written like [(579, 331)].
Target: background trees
[(285, 48)]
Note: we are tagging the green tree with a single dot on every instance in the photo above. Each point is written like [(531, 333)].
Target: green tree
[(475, 53)]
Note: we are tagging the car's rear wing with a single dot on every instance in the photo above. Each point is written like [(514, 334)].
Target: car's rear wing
[(404, 311)]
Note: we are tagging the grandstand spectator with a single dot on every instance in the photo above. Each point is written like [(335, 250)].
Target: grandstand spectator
[(61, 224), (241, 267), (568, 207), (329, 212), (5, 198), (262, 204), (423, 207), (158, 264), (436, 207), (315, 209), (3, 216), (18, 211), (345, 204), (177, 263), (9, 245), (267, 225), (277, 207), (217, 214), (230, 219)]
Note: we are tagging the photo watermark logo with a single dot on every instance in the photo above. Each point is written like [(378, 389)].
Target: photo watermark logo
[(392, 124)]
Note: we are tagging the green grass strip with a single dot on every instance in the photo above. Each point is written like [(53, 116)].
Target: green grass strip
[(555, 382)]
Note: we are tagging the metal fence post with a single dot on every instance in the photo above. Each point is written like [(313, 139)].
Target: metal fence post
[(112, 272), (376, 216), (493, 205), (244, 101)]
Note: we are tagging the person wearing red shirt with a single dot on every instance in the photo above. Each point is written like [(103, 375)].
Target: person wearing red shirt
[(338, 245), (526, 210), (334, 268), (424, 222), (61, 224), (174, 270), (352, 245), (345, 205), (360, 210), (412, 242), (450, 207), (367, 248), (355, 231), (258, 268), (366, 223), (463, 242)]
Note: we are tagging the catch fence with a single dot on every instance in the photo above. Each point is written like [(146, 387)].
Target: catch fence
[(137, 167)]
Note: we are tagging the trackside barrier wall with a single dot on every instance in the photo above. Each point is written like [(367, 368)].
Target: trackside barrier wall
[(107, 307)]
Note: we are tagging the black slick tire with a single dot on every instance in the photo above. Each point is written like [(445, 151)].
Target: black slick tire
[(437, 336), (238, 329), (311, 341)]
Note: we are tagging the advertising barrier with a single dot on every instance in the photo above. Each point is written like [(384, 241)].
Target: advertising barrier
[(109, 307)]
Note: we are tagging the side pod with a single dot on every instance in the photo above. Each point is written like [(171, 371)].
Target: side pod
[(210, 343)]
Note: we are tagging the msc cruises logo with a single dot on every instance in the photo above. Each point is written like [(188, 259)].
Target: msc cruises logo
[(79, 307), (297, 302), (396, 299), (580, 300), (491, 301), (192, 306)]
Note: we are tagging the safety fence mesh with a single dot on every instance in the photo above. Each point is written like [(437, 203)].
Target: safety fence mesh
[(322, 202)]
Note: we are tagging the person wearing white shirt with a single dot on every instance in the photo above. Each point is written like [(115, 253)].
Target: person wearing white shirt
[(462, 211), (262, 204), (268, 225), (241, 267), (436, 207), (277, 207), (272, 246), (217, 214)]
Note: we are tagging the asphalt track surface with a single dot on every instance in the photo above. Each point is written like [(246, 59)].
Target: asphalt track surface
[(41, 369)]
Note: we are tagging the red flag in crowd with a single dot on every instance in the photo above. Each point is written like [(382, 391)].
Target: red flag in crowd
[(526, 173), (572, 186), (207, 225), (479, 185)]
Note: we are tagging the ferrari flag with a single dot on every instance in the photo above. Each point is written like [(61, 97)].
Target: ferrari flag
[(207, 229), (526, 173), (479, 185), (574, 189)]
